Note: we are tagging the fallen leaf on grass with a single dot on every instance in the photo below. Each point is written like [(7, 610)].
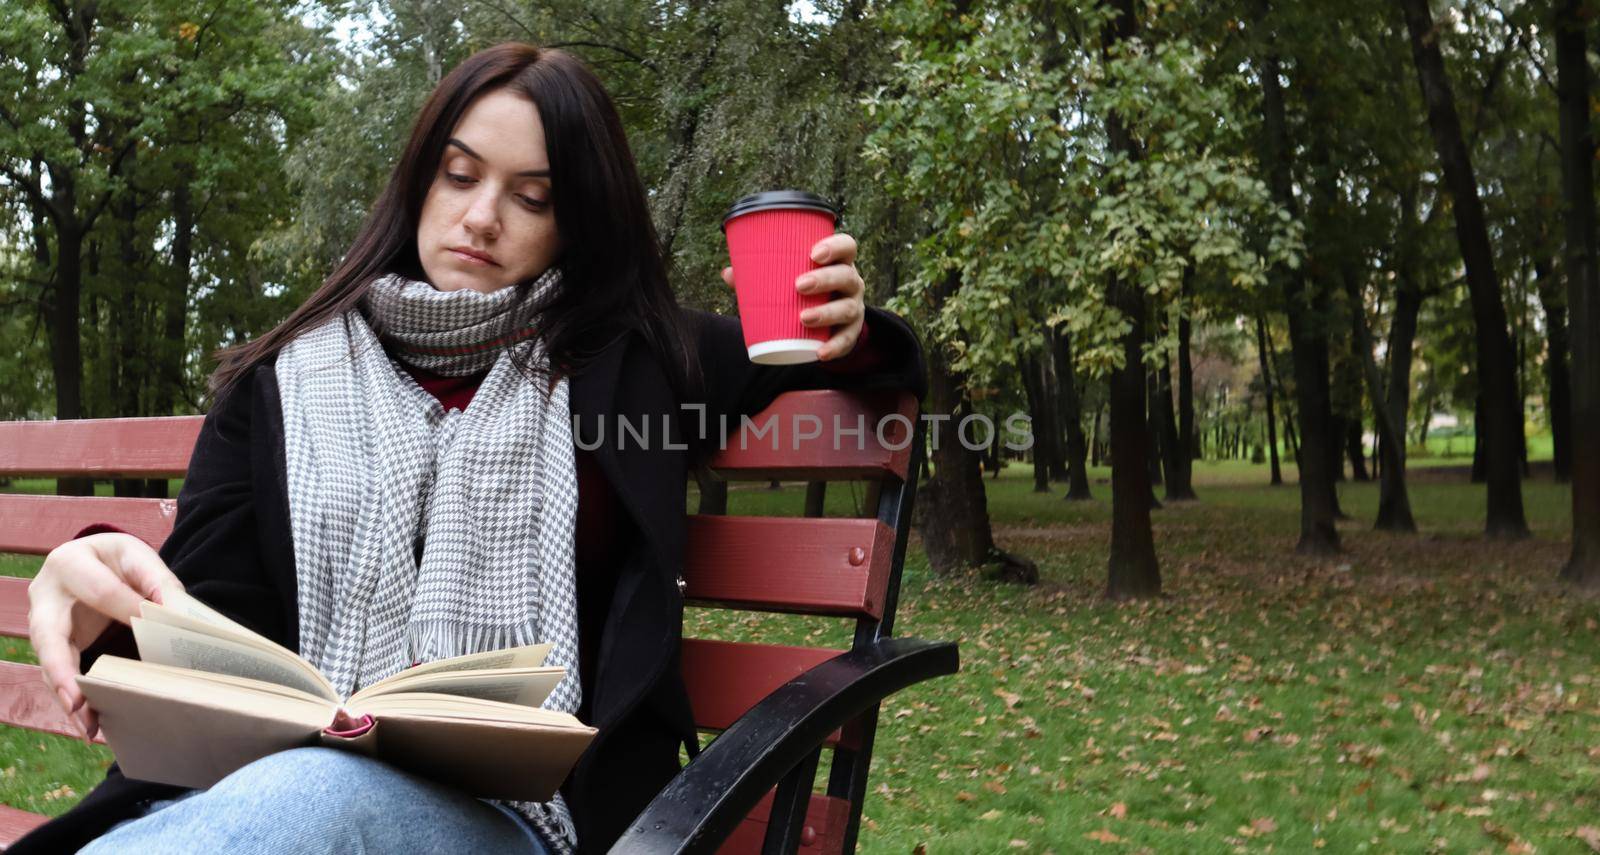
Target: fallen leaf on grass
[(1589, 834), (1104, 835), (1478, 775), (1259, 826), (1118, 810)]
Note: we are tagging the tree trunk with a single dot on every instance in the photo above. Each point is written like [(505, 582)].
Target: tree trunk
[(1052, 398), (1044, 435), (1336, 431), (1394, 503), (1355, 450), (1072, 415), (1188, 444), (713, 494), (1153, 424), (1394, 506), (1402, 335), (1318, 535), (1558, 384), (1266, 383), (1480, 446), (175, 315), (127, 371), (1496, 372), (952, 508), (1174, 458), (1133, 569), (1583, 293), (66, 352), (1096, 446)]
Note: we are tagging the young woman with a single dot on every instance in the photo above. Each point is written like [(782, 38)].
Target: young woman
[(392, 475)]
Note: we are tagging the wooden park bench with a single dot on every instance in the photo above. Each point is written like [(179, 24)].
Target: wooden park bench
[(777, 708)]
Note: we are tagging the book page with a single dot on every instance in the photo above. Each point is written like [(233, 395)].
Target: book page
[(181, 686), (227, 630), (180, 647), (457, 707), (176, 600), (524, 686), (527, 656)]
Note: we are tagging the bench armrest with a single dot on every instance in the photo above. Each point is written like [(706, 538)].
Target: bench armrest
[(707, 800)]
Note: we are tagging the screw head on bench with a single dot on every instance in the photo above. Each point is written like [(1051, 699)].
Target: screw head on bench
[(858, 556)]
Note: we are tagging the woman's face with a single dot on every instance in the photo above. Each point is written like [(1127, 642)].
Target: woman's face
[(488, 220)]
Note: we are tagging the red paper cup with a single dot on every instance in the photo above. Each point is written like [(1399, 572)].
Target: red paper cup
[(770, 236)]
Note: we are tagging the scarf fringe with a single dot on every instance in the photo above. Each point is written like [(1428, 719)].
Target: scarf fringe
[(429, 641)]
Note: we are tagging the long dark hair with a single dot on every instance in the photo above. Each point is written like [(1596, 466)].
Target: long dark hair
[(614, 275)]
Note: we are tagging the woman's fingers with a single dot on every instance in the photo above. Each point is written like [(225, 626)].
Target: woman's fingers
[(834, 313), (142, 569), (840, 279), (50, 631), (846, 316), (838, 248), (835, 279), (841, 344), (83, 586)]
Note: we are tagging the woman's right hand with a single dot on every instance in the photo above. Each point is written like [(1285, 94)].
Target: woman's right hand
[(84, 585)]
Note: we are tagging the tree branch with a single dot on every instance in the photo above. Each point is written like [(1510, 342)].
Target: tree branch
[(614, 48), (31, 186), (105, 198)]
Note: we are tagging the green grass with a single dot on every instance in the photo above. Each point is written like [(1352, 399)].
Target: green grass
[(1432, 692)]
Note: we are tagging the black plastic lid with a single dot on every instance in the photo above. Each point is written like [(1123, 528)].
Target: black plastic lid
[(779, 199)]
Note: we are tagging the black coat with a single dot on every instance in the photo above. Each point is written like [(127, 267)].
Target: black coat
[(231, 547)]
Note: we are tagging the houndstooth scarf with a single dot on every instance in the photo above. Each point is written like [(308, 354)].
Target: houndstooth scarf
[(421, 533)]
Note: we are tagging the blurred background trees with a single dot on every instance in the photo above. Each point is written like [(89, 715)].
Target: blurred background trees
[(1298, 233)]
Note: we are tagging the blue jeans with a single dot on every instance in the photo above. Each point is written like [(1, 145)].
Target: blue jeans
[(322, 800)]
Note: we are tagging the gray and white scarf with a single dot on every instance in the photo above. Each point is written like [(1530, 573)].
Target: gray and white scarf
[(421, 533)]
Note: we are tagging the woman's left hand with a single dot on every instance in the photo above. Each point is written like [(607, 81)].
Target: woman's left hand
[(846, 312)]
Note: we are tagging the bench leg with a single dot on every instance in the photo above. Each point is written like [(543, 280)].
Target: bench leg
[(789, 806), (848, 780)]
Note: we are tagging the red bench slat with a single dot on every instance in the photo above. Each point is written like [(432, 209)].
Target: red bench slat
[(155, 447), (37, 524), (25, 702), (779, 451), (14, 607), (15, 823), (823, 833), (727, 678), (816, 566)]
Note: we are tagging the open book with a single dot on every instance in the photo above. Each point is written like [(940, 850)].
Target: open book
[(209, 695)]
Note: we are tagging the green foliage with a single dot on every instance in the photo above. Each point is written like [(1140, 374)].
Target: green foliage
[(142, 128), (995, 128)]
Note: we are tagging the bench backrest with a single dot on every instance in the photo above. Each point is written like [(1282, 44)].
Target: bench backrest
[(843, 567)]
